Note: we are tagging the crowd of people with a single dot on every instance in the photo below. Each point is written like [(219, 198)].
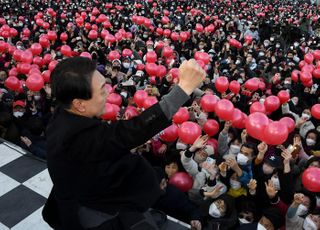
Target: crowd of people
[(239, 180)]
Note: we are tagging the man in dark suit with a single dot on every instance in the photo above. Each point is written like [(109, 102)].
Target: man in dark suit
[(97, 182)]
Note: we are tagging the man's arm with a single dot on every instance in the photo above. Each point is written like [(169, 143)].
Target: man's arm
[(134, 132)]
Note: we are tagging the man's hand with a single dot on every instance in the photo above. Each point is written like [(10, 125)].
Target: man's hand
[(262, 148), (298, 198), (270, 189), (195, 224), (199, 143), (191, 75), (252, 185), (26, 141)]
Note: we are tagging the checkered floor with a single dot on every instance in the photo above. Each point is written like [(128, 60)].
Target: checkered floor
[(24, 186)]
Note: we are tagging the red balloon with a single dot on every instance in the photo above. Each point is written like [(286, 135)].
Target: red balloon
[(289, 122), (63, 36), (151, 57), (183, 36), (3, 47), (284, 96), (167, 33), (114, 98), (308, 58), (35, 82), (165, 20), (237, 118), (86, 54), (189, 132), (224, 109), (13, 72), (159, 31), (109, 113), (46, 75), (126, 53), (257, 107), (272, 103), (221, 84), (17, 55), (104, 33), (66, 50), (199, 28), (181, 116), (113, 55), (110, 38), (308, 68), (182, 181), (248, 39), (311, 179), (24, 68), (27, 57), (305, 76), (149, 101), (255, 125), (170, 134), (162, 71), (52, 65), (52, 35), (203, 56), (152, 69), (252, 84), (175, 36), (44, 42), (301, 64), (167, 51), (295, 75), (211, 127), (12, 83), (38, 61), (315, 111), (316, 55), (275, 133), (131, 112), (208, 102), (316, 73), (174, 73), (234, 87), (47, 58)]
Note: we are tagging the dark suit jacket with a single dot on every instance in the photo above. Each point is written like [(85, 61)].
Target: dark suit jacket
[(90, 164)]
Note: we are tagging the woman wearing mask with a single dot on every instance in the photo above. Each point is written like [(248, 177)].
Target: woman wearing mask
[(308, 144), (298, 216)]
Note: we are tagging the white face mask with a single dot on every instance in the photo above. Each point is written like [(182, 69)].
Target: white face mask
[(234, 149), (214, 211), (242, 159), (310, 142), (124, 94), (308, 224), (235, 184), (18, 114), (276, 183), (126, 65), (238, 62), (267, 169), (150, 49), (305, 116), (37, 97), (181, 146), (302, 210), (243, 221), (261, 227), (296, 44), (277, 45), (262, 100)]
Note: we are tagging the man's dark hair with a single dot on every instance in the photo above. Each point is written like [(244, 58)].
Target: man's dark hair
[(72, 79)]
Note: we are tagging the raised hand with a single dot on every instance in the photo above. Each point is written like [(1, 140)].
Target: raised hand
[(191, 75)]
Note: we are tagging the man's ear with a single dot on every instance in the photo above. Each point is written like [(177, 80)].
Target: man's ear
[(78, 105)]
